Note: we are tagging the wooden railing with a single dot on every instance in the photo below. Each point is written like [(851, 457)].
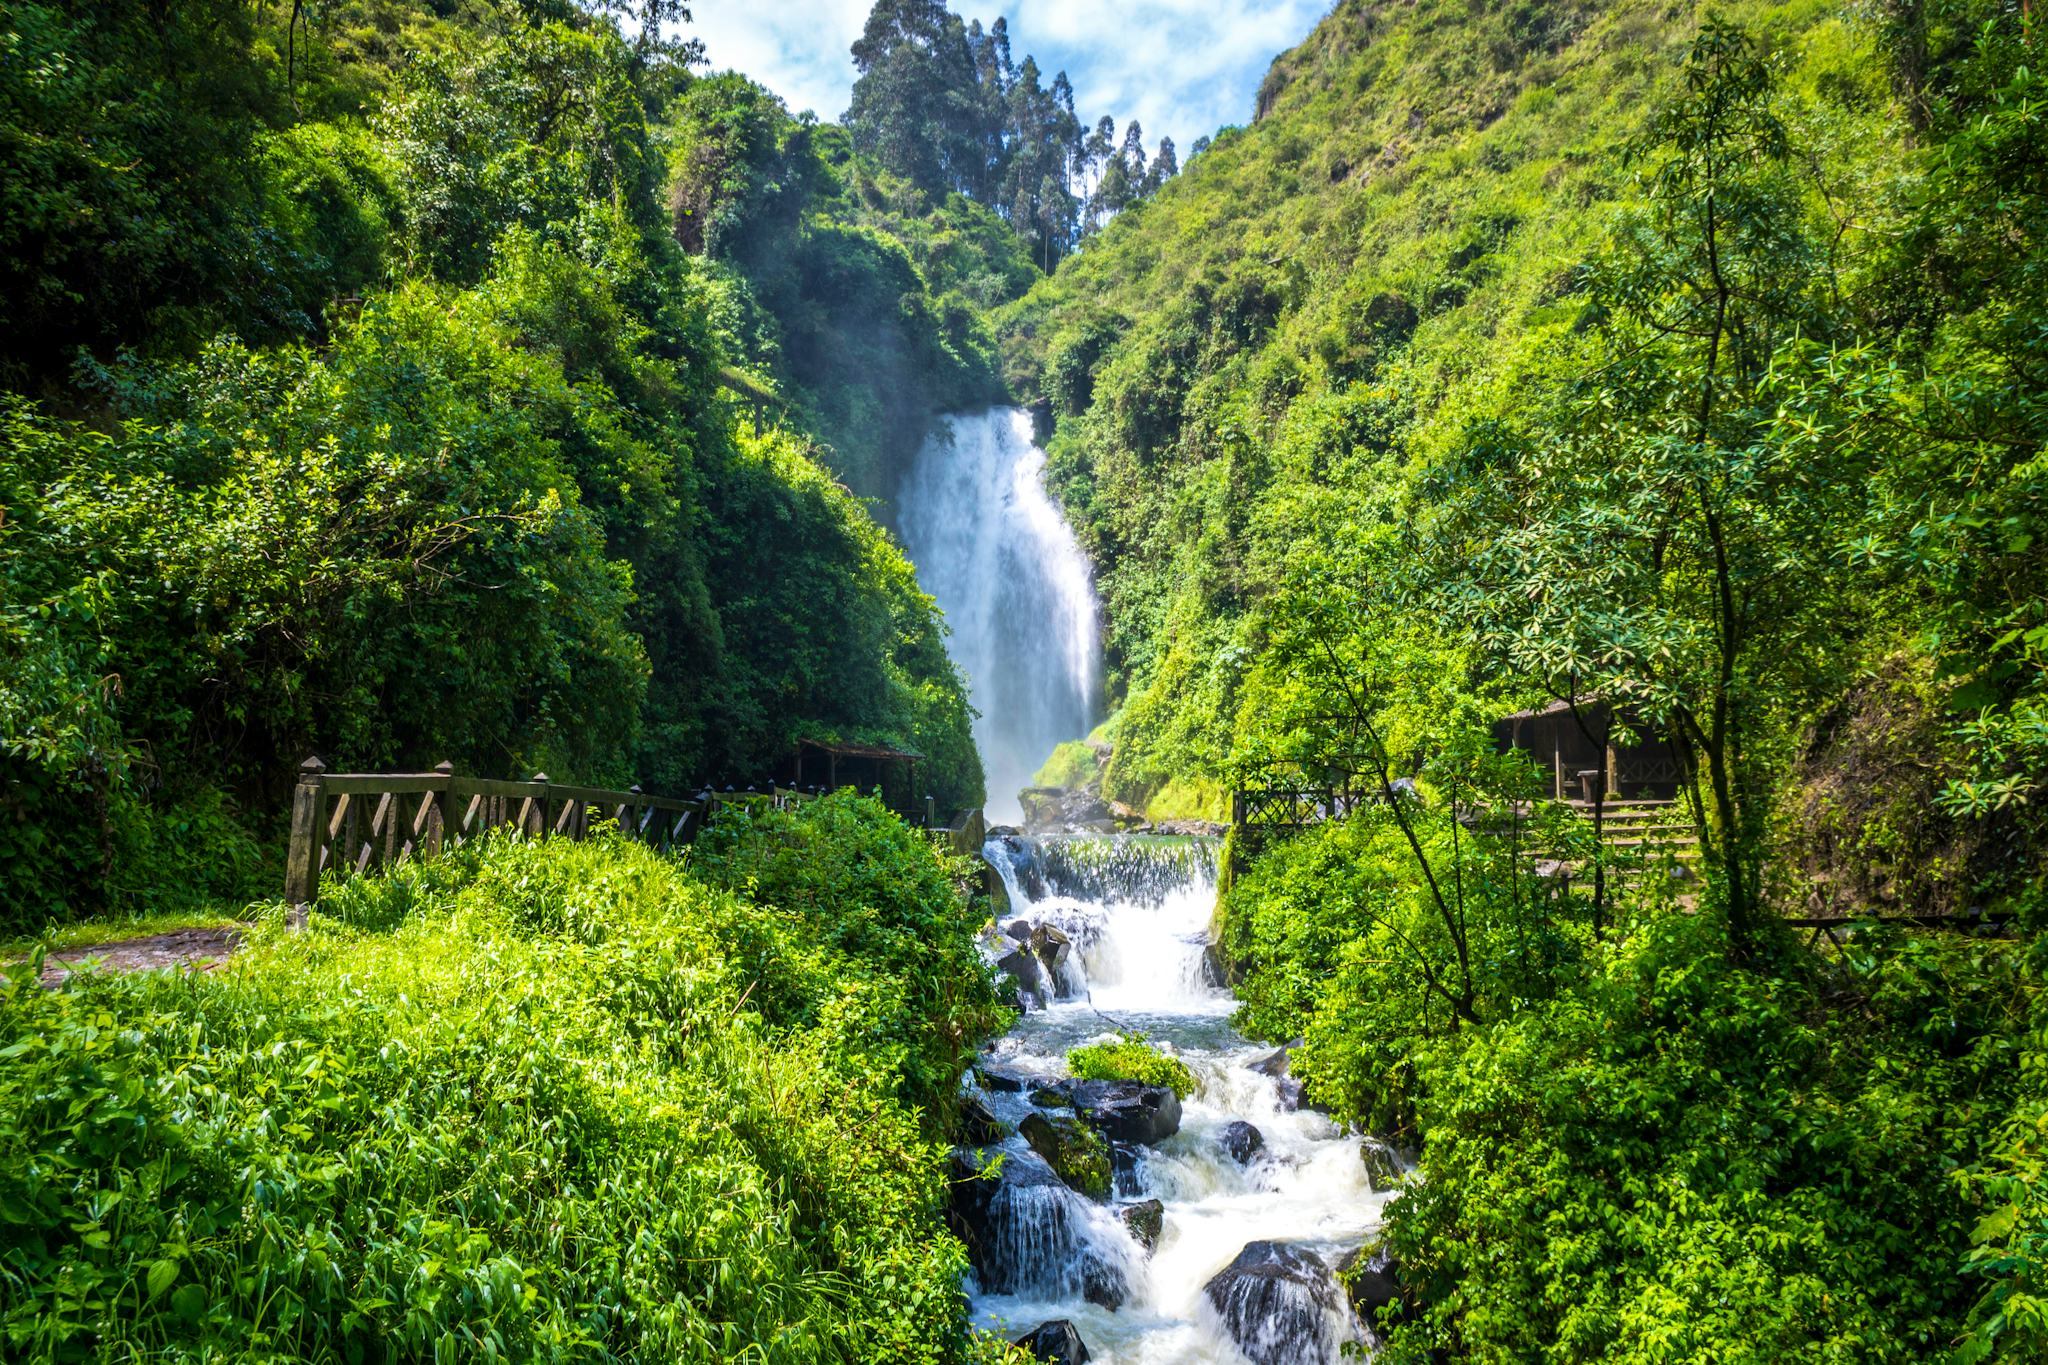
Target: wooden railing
[(349, 823)]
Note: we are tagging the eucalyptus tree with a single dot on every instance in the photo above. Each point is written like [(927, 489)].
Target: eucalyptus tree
[(918, 102)]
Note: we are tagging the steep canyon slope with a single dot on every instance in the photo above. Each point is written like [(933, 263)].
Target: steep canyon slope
[(1254, 369)]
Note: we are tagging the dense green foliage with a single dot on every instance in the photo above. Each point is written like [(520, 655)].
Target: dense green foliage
[(1131, 1058), (857, 296), (1608, 352), (366, 403), (541, 1101), (1635, 1150), (1635, 1143), (1359, 309)]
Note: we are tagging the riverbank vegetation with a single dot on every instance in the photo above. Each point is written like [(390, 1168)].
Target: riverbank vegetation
[(1683, 363), (529, 1101), (413, 382), (1131, 1058)]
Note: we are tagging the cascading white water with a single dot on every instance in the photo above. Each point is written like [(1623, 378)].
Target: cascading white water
[(991, 547), (1138, 937)]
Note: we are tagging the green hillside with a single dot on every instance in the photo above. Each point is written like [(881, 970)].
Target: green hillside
[(1682, 367), (1263, 356)]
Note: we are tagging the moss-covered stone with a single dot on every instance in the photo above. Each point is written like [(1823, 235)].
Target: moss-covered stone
[(1073, 1149)]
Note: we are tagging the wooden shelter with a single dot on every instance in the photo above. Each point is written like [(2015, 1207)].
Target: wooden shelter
[(828, 765), (1578, 751)]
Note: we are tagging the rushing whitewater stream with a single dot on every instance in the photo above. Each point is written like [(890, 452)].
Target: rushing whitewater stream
[(1136, 923)]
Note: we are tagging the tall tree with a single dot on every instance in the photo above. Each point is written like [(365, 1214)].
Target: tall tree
[(1163, 168), (918, 105), (943, 104), (1667, 537)]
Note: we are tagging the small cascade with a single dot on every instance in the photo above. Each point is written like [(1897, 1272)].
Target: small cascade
[(1132, 910), (1032, 1236), (1256, 1198), (1131, 870), (1281, 1305)]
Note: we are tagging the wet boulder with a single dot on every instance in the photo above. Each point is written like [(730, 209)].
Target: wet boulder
[(1022, 966), (1278, 1065), (1056, 1341), (1146, 1220), (1282, 1306), (1372, 1280), (1053, 949), (1073, 810), (1048, 947), (1123, 1170), (995, 1076), (1027, 1233), (1073, 1149), (1241, 1141), (1382, 1164), (1126, 1111)]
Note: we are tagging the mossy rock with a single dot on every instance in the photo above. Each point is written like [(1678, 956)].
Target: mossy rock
[(1073, 1149), (1146, 1220), (1382, 1166)]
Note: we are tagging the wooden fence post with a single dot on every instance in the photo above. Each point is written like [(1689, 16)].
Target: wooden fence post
[(441, 834), (538, 804), (302, 861)]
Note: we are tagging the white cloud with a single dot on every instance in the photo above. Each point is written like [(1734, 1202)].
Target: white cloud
[(1181, 67)]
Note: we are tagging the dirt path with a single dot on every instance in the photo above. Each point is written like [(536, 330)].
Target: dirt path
[(198, 949)]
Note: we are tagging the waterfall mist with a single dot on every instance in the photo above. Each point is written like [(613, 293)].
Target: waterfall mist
[(992, 548)]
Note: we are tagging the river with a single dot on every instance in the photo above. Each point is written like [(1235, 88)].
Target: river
[(1135, 912), (1136, 963)]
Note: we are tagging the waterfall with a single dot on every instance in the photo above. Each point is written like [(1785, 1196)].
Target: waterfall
[(992, 548)]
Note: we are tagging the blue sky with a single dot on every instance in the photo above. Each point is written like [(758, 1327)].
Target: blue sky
[(1181, 67)]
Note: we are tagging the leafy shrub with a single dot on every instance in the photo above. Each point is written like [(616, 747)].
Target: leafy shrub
[(1131, 1058), (531, 1101), (870, 891), (1689, 1160)]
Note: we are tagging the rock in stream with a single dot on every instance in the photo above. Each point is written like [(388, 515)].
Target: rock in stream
[(1282, 1306), (1027, 1233)]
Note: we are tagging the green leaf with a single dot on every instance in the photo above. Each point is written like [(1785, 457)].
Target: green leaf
[(1995, 1225), (189, 1302)]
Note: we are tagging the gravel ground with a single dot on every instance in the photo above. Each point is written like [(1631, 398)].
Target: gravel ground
[(196, 949)]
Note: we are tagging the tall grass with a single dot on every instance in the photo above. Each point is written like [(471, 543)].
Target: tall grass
[(533, 1102)]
